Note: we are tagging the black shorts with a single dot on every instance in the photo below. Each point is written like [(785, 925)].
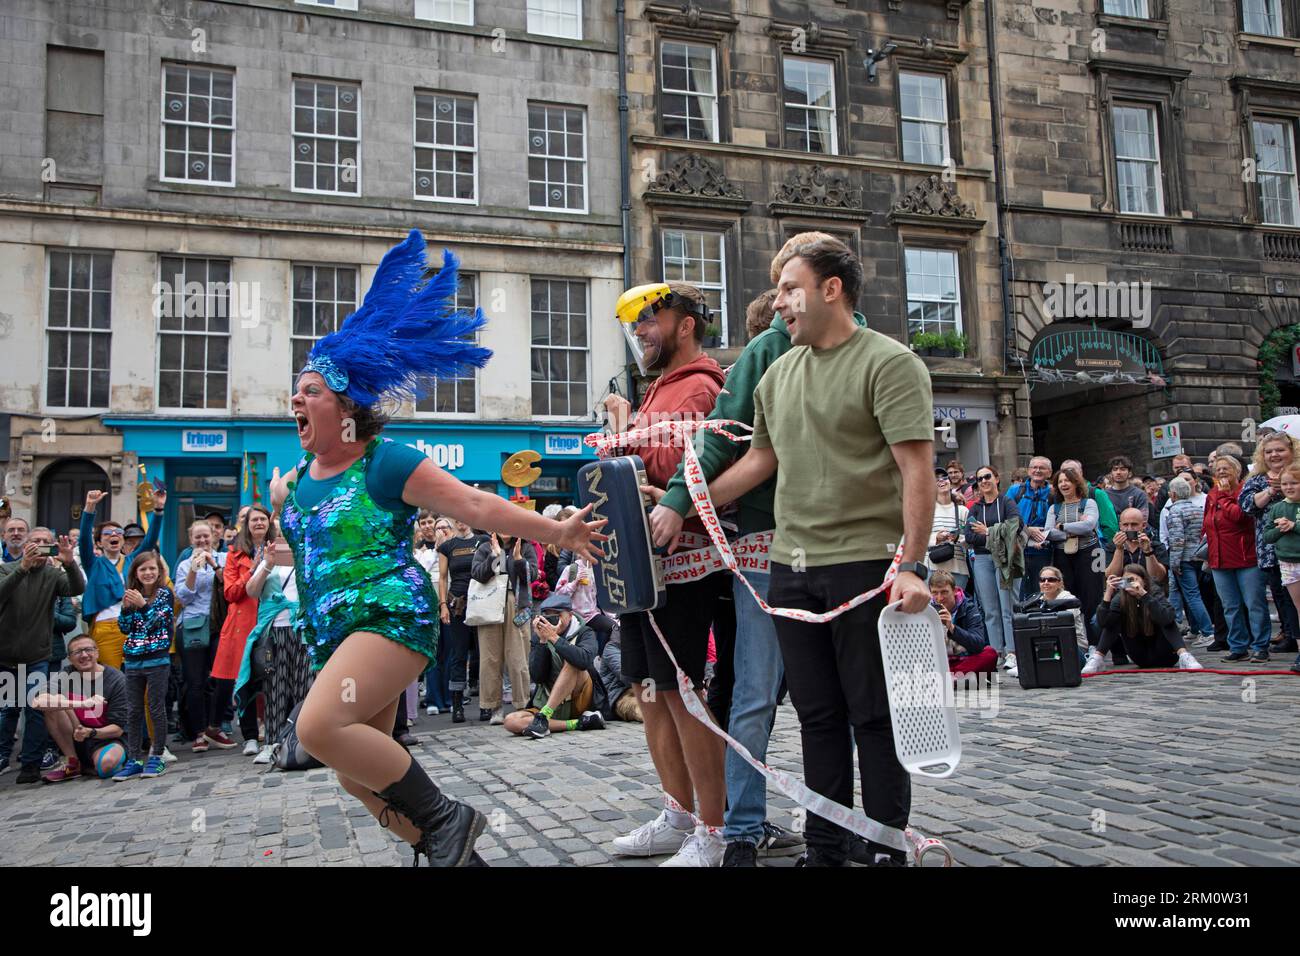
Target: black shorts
[(685, 621), (88, 750)]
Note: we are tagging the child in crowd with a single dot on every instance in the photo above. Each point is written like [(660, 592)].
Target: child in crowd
[(1280, 530), (147, 618)]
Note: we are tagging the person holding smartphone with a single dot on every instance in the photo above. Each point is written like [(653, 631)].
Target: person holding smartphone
[(1134, 614), (29, 588), (570, 694)]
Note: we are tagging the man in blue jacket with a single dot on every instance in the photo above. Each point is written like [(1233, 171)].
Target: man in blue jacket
[(968, 642), (105, 573), (1033, 497)]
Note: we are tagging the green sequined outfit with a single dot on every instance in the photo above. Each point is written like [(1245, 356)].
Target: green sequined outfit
[(356, 569)]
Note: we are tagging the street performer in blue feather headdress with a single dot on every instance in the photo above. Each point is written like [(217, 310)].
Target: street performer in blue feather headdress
[(367, 610)]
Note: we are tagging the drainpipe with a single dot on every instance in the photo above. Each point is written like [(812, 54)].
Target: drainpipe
[(625, 170), (1006, 266)]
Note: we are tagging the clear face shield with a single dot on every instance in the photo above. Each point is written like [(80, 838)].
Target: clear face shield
[(646, 347)]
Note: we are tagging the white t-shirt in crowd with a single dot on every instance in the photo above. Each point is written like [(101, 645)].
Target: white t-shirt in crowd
[(289, 585)]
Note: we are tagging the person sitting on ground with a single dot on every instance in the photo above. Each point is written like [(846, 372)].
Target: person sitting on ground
[(623, 703), (1053, 596), (968, 643), (1136, 615), (87, 719), (562, 663)]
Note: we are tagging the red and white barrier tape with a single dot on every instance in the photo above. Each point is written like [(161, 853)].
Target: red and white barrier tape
[(755, 550)]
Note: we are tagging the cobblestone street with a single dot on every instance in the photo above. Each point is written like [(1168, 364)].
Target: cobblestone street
[(1157, 770)]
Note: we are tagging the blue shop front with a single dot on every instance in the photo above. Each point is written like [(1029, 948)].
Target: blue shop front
[(222, 465)]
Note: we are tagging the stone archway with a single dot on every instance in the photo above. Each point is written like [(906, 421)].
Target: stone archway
[(61, 492)]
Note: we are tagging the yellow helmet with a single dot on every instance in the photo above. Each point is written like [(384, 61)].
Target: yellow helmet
[(641, 303)]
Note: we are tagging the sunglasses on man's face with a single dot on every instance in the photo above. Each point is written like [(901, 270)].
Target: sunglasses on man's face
[(983, 477), (111, 533)]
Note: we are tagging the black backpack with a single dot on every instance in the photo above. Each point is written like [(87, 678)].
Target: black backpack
[(289, 754)]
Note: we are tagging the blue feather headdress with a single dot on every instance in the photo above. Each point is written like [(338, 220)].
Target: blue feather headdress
[(406, 334)]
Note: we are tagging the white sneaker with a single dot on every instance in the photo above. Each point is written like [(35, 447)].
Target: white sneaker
[(652, 839), (498, 718), (250, 748), (431, 711), (1013, 670), (266, 754), (168, 756), (1096, 662), (1010, 662), (1189, 663), (701, 848)]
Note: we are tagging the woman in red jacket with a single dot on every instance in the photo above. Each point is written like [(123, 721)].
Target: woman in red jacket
[(247, 557), (1238, 579)]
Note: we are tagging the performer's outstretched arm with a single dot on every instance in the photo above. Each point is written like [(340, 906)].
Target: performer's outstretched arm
[(432, 488)]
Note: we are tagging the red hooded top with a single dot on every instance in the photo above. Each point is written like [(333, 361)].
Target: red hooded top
[(684, 394), (1229, 530)]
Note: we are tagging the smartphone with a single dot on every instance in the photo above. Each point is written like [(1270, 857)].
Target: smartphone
[(50, 550)]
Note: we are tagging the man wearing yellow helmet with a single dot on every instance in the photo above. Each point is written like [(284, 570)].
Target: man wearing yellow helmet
[(666, 333)]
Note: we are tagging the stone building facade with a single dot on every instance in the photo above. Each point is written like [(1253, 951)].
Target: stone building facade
[(1151, 143), (267, 153), (753, 121)]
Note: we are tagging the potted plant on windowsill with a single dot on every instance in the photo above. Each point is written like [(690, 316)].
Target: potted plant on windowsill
[(951, 344), (712, 336)]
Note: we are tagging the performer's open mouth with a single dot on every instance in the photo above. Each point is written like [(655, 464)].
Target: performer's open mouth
[(301, 419)]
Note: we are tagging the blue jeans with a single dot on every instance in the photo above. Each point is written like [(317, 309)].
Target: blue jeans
[(1198, 618), (996, 602), (34, 734), (753, 706), (1241, 590)]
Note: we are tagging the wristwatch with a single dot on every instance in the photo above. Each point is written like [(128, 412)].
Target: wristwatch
[(94, 732), (917, 568)]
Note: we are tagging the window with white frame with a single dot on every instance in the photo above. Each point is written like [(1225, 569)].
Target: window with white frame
[(446, 11), (559, 333), (326, 137), (689, 90), (933, 291), (1138, 9), (699, 259), (1262, 17), (323, 296), (555, 18), (78, 329), (457, 395), (557, 157), (193, 307), (923, 102), (810, 105), (198, 124), (1137, 160), (1275, 171), (446, 147)]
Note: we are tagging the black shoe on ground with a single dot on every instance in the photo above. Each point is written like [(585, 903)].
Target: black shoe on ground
[(447, 828), (815, 857), (591, 720), (740, 853), (407, 740), (1119, 660), (539, 728), (29, 773), (778, 841), (1216, 647), (457, 707), (1259, 657), (484, 714), (1235, 658)]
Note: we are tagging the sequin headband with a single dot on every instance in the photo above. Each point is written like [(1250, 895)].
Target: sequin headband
[(335, 378)]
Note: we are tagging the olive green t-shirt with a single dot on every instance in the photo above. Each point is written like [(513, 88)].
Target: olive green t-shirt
[(830, 415)]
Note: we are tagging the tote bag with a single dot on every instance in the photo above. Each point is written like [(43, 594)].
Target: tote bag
[(486, 603)]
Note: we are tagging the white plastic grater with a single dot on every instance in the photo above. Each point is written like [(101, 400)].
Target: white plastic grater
[(915, 655)]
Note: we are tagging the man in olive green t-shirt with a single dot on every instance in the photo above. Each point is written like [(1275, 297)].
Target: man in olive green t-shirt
[(848, 414)]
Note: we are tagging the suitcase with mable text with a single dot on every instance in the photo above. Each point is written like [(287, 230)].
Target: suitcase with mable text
[(629, 577)]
